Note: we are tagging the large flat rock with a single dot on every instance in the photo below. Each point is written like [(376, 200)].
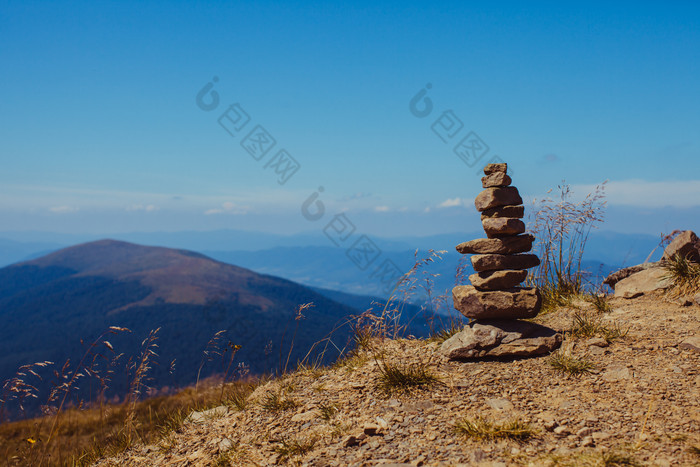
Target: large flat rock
[(495, 168), (496, 262), (512, 303), (501, 339), (495, 179), (500, 246), (504, 211), (498, 280), (495, 197), (642, 282), (502, 226), (617, 276)]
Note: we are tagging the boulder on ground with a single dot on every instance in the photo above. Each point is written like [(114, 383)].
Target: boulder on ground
[(686, 244), (501, 339), (624, 273), (642, 282), (691, 343)]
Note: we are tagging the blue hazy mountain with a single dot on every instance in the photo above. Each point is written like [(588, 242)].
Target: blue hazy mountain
[(311, 259)]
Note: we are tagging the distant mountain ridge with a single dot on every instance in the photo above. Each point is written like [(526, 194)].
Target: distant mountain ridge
[(49, 304), (613, 248), (311, 259)]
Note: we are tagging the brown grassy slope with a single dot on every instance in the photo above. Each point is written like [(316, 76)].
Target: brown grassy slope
[(638, 405), (83, 434)]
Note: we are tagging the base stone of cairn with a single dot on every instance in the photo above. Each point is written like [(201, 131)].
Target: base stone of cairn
[(495, 302), (501, 338)]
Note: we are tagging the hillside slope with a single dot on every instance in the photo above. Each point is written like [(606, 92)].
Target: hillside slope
[(49, 304), (638, 405)]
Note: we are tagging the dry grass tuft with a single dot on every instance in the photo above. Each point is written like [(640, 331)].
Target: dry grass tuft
[(327, 411), (588, 325), (566, 363), (600, 302), (684, 275), (404, 378), (292, 447), (237, 395), (482, 428), (618, 459), (444, 333), (277, 402)]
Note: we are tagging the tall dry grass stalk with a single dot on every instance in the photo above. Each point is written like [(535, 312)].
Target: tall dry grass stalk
[(212, 350), (298, 317), (389, 322), (664, 241), (138, 386), (67, 379), (443, 310), (18, 388), (562, 228)]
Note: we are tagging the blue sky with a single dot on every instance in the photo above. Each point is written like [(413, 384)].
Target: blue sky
[(100, 130)]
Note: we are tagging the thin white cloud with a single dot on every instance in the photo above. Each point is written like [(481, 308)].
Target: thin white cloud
[(355, 196), (451, 203), (48, 198), (643, 193), (63, 209), (142, 207), (228, 207), (381, 208)]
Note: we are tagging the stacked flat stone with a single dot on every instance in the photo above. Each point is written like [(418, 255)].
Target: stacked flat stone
[(500, 260), (495, 302)]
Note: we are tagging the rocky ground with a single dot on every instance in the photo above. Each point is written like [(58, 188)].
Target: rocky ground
[(639, 405)]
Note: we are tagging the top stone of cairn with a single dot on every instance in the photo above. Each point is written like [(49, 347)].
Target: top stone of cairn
[(495, 168), (495, 176)]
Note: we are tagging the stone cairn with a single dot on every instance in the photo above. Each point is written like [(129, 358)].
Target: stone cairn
[(495, 302)]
